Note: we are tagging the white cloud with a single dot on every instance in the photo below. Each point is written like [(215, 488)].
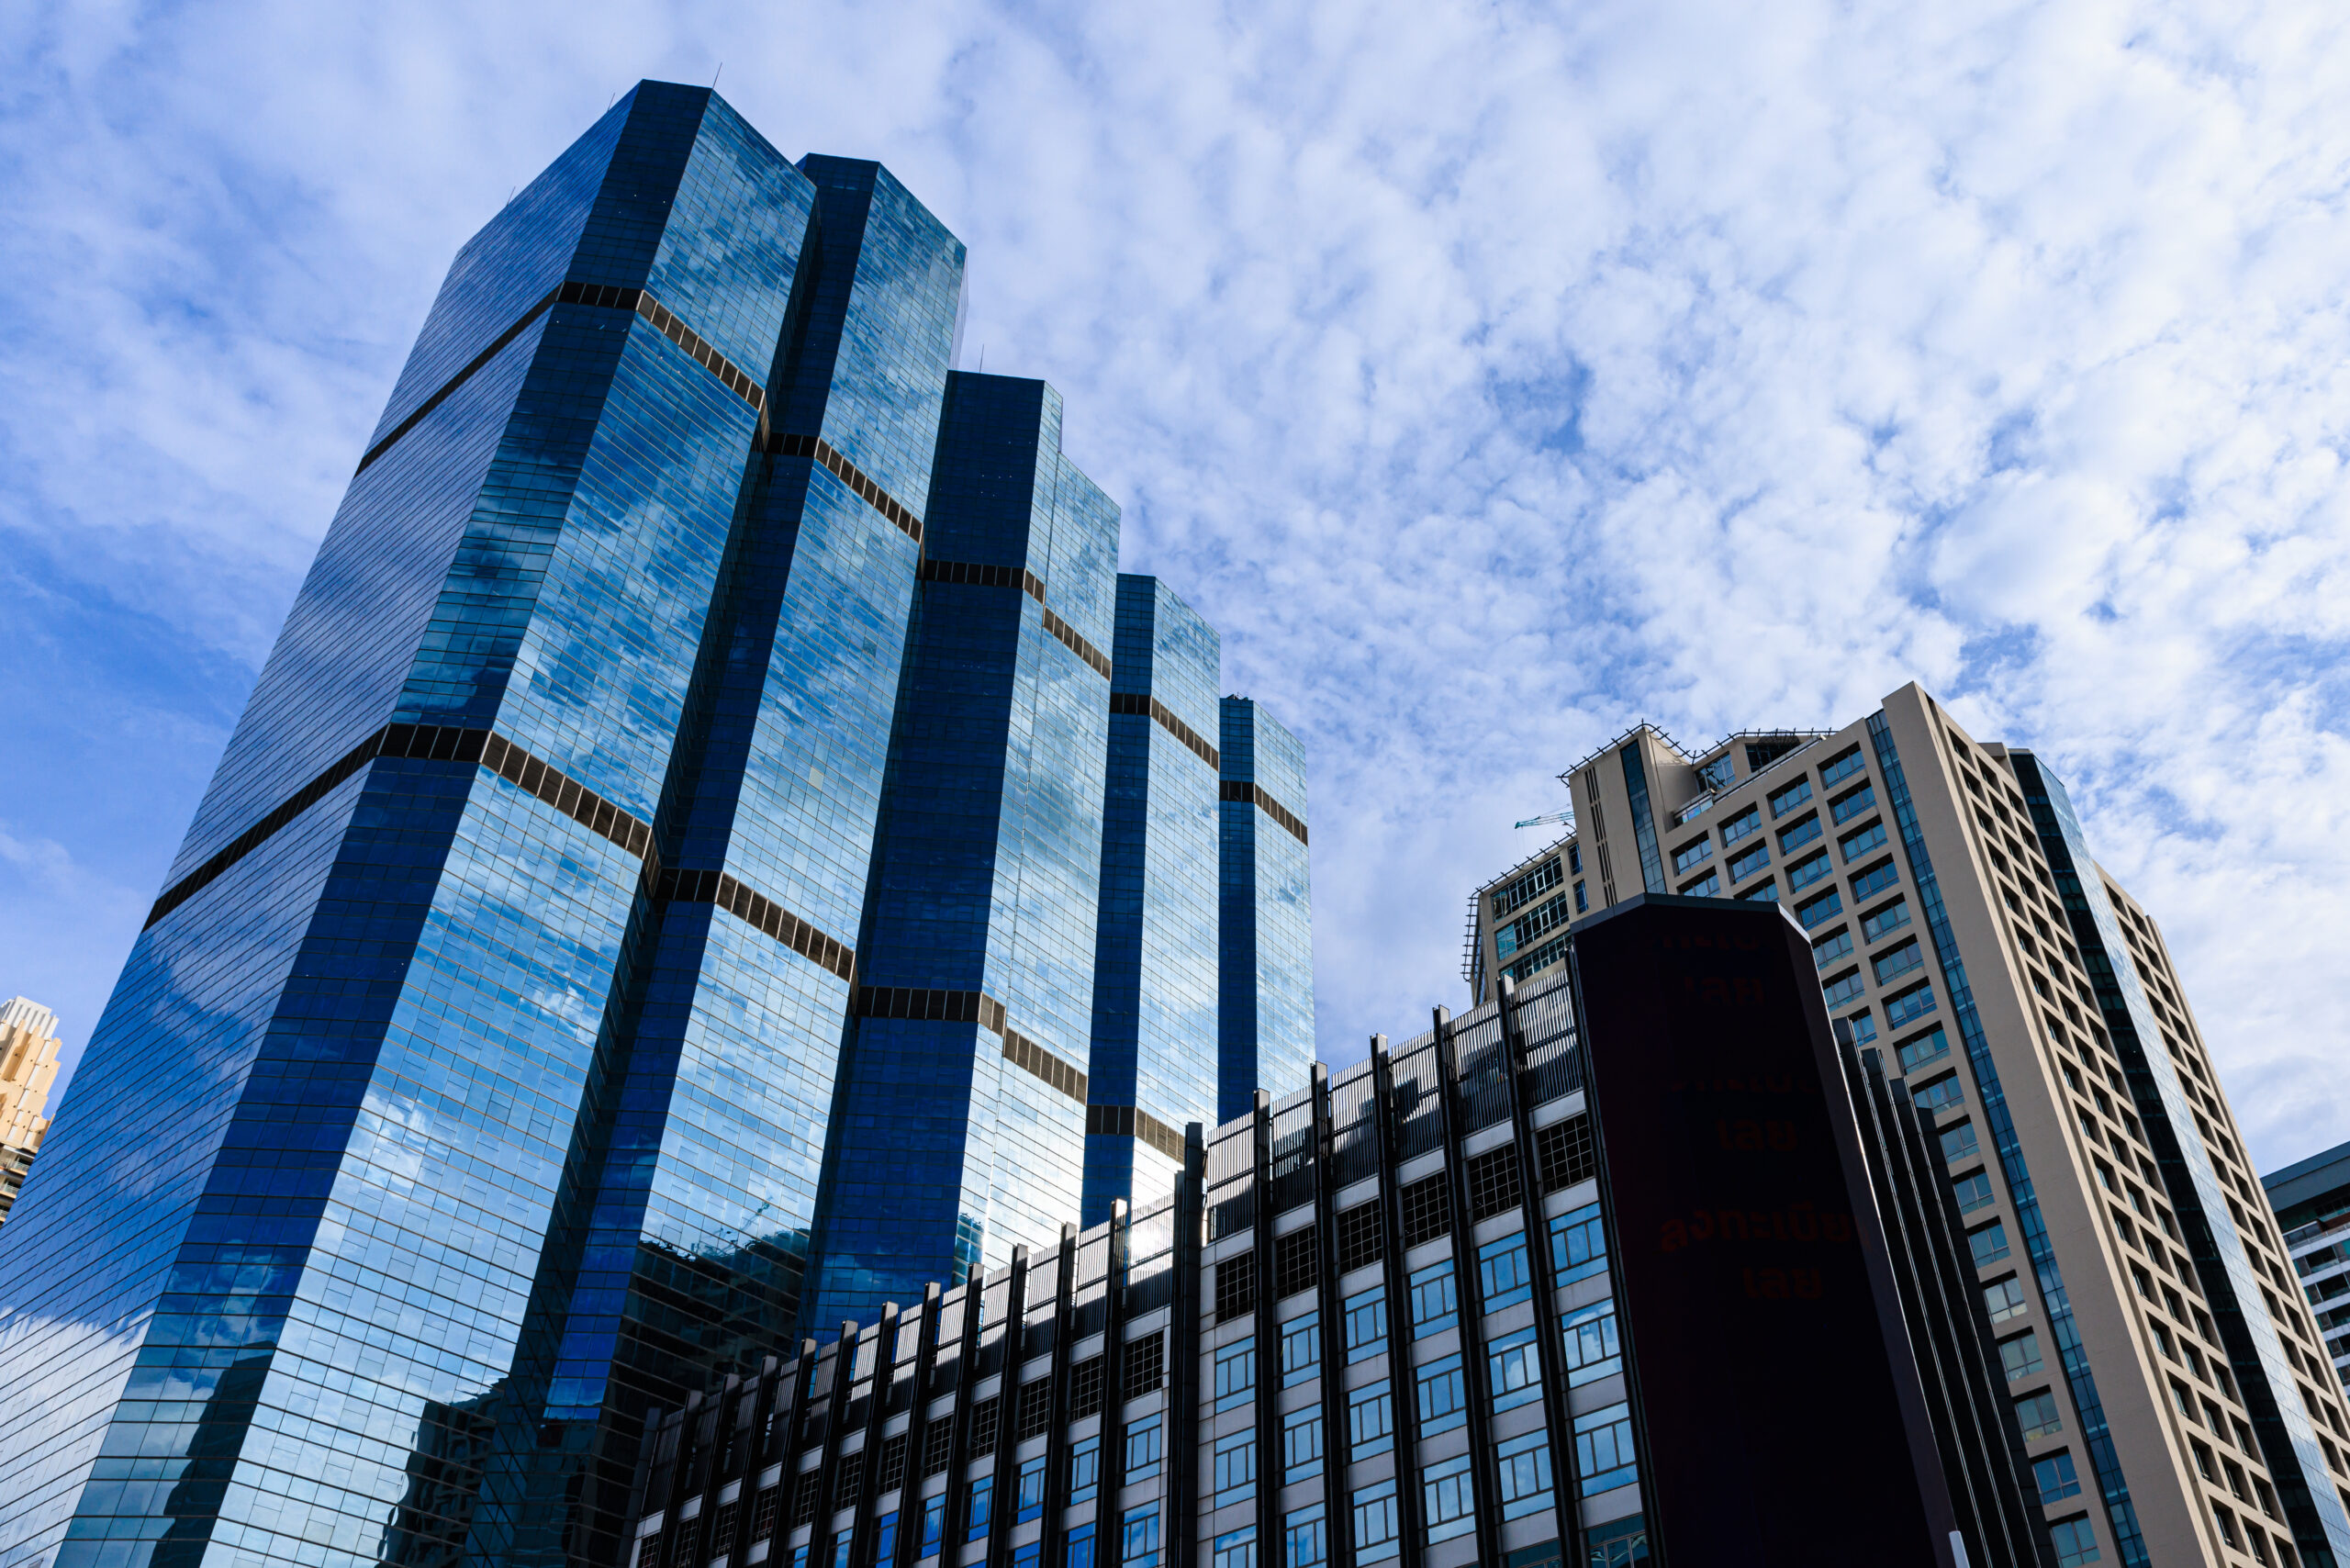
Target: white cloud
[(1492, 375)]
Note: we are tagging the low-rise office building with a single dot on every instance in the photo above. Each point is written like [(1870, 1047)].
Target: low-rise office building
[(1634, 1270)]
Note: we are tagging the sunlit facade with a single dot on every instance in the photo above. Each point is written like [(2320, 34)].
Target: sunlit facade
[(2183, 1402)]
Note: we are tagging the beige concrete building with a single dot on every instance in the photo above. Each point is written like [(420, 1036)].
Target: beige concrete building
[(28, 1067), (2177, 1399)]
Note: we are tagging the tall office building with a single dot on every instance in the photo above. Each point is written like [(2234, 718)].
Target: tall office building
[(1959, 922), (1266, 988), (2311, 1198), (1155, 975), (28, 1046), (675, 796), (1634, 1266), (962, 1123)]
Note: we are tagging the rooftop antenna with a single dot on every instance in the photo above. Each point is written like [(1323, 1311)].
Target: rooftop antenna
[(716, 75)]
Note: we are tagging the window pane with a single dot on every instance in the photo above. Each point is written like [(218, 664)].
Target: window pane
[(1435, 1303), (1503, 1272), (1143, 1448), (1375, 1530), (1604, 1448), (1301, 1349), (2055, 1478), (1305, 1538), (1514, 1372), (1578, 1245), (2037, 1414), (1525, 1474), (1443, 1397), (1591, 1348), (1446, 1499), (1139, 1547), (983, 1504), (1365, 1324), (1235, 1474), (1235, 1374), (1371, 1422), (1302, 1445)]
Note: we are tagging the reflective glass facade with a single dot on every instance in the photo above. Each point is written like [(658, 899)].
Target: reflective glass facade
[(1155, 993), (1265, 1004), (701, 688), (961, 1122)]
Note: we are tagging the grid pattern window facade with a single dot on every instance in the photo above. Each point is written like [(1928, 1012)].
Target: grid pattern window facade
[(1362, 1236), (1567, 1152), (1236, 1286), (983, 1424), (1427, 1210), (1085, 1387), (1035, 1410), (1298, 1260), (1492, 1182), (1145, 1365)]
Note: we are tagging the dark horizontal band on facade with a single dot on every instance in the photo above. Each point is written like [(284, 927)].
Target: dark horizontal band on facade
[(1235, 789), (437, 743), (606, 296), (848, 474), (978, 574), (984, 576), (1043, 1065), (935, 1006), (550, 784), (486, 748), (439, 397), (736, 380), (1133, 1121), (1075, 644), (1141, 705), (759, 911), (253, 838)]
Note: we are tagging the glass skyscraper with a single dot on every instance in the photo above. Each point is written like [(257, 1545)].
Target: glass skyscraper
[(962, 1125), (1266, 996), (648, 907), (1155, 973)]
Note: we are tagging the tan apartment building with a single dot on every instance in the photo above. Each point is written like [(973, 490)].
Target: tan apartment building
[(28, 1046), (2177, 1402)]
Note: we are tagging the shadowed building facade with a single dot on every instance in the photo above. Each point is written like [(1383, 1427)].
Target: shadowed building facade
[(1635, 1266), (472, 1085)]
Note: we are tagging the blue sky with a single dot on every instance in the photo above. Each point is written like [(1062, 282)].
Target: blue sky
[(1492, 375)]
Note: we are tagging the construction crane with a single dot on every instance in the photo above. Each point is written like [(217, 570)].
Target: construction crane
[(1564, 818)]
